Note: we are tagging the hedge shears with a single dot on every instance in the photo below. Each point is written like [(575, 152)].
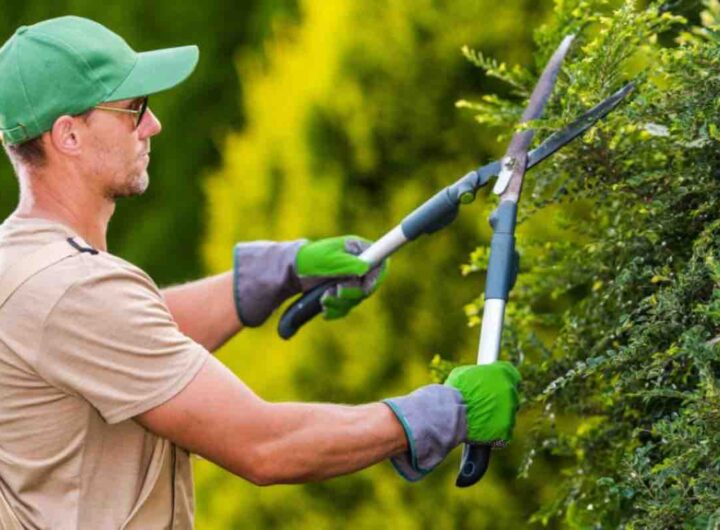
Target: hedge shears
[(442, 209)]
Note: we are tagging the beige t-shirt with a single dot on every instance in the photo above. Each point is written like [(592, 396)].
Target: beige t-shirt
[(86, 345)]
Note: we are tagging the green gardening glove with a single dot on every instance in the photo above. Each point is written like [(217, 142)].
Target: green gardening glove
[(490, 394), (476, 404), (336, 257)]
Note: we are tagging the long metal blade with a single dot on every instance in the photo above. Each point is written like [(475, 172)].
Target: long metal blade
[(561, 138), (509, 182), (566, 135)]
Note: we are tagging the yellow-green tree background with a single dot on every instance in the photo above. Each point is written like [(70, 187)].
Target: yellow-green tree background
[(351, 123)]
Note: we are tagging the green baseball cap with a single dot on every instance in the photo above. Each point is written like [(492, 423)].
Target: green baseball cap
[(68, 65)]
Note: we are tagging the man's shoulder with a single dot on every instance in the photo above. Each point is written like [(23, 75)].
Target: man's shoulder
[(96, 267), (20, 238), (84, 272), (94, 278)]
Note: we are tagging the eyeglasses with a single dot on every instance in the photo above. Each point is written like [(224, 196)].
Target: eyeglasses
[(138, 112)]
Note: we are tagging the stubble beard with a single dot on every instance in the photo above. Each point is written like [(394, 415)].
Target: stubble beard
[(134, 186)]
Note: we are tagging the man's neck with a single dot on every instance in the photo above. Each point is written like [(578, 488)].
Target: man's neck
[(74, 206)]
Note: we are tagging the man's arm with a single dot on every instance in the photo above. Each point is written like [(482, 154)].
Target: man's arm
[(205, 310), (220, 418)]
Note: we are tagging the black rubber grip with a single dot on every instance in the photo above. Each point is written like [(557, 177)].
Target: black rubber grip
[(475, 461), (302, 310)]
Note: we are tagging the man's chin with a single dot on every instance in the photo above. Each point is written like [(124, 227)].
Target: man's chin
[(133, 188)]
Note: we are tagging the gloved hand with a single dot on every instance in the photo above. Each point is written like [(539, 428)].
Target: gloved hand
[(267, 273), (336, 257), (477, 404)]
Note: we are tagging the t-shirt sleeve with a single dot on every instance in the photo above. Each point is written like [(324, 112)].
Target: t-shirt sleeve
[(111, 340)]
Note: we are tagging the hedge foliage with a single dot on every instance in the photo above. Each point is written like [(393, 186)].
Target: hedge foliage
[(617, 306)]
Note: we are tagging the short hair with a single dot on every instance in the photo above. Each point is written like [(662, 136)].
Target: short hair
[(32, 152), (29, 153)]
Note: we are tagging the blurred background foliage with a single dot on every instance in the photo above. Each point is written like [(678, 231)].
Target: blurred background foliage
[(350, 124), (311, 119)]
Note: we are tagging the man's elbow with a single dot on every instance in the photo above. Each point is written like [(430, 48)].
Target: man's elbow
[(260, 478), (263, 468)]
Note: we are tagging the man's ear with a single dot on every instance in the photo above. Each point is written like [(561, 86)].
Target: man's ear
[(64, 136)]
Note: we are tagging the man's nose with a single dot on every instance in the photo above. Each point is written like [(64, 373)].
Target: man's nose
[(150, 125)]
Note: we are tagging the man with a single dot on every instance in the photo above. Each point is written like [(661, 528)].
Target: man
[(106, 381)]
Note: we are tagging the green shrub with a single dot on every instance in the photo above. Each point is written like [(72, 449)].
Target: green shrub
[(617, 304)]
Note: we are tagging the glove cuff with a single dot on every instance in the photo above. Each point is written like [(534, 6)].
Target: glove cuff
[(263, 278), (434, 420)]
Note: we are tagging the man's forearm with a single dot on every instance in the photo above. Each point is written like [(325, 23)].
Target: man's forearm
[(318, 441), (205, 309)]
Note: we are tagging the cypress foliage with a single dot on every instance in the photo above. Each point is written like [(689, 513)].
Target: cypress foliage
[(615, 314)]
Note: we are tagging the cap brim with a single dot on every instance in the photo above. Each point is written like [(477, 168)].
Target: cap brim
[(156, 71)]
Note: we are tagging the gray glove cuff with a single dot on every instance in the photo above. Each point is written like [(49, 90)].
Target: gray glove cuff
[(434, 419), (263, 278)]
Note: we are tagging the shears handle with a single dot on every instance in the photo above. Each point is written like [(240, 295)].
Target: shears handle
[(302, 310), (475, 461), (434, 214)]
